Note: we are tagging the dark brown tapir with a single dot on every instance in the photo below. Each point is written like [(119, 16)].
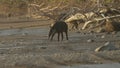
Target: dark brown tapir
[(59, 27)]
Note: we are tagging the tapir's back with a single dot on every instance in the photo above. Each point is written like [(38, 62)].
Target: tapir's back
[(60, 26)]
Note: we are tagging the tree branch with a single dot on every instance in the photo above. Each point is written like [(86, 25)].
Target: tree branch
[(98, 19)]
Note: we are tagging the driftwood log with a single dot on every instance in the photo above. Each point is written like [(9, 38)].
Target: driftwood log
[(110, 25)]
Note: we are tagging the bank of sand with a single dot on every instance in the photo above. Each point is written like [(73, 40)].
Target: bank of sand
[(30, 48)]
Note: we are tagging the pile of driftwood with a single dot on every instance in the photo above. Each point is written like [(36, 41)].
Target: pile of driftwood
[(107, 17)]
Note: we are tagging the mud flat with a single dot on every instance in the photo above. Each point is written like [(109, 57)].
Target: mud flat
[(30, 48)]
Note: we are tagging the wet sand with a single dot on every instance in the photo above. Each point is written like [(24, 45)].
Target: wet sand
[(28, 47)]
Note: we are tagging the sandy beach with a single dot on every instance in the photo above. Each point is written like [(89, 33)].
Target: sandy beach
[(26, 45)]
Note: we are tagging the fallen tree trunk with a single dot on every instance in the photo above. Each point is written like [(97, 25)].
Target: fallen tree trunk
[(98, 19)]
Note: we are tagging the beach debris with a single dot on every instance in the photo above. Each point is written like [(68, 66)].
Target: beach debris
[(90, 40), (108, 46)]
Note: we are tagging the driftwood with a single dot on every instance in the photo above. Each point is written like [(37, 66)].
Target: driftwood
[(98, 19), (41, 10), (55, 13), (78, 18)]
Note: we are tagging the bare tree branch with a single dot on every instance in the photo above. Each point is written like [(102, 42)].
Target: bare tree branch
[(98, 19)]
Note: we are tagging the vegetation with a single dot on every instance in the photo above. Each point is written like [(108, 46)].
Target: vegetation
[(19, 7)]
